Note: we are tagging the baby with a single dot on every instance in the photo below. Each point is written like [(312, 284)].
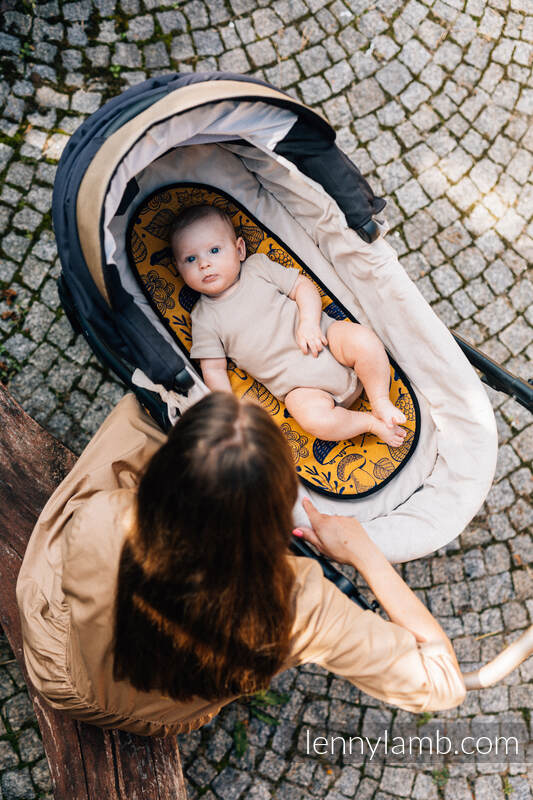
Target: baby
[(269, 320)]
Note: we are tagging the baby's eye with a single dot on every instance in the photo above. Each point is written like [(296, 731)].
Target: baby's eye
[(215, 250), (189, 259)]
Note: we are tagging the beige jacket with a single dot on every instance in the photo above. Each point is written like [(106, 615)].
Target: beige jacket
[(66, 590)]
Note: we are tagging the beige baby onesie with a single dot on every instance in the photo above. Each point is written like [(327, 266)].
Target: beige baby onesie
[(255, 325)]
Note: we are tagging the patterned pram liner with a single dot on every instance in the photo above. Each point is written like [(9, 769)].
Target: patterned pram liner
[(347, 469), (235, 140)]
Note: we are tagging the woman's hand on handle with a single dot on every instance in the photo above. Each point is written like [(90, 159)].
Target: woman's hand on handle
[(344, 539), (335, 537)]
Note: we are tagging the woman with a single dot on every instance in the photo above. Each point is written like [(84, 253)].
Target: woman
[(157, 585)]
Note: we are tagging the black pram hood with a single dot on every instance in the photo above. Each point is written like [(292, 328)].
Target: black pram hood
[(92, 284)]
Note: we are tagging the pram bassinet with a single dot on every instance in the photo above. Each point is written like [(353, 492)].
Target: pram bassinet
[(277, 159)]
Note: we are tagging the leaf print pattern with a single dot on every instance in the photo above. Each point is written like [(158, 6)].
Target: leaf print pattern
[(252, 235), (160, 291), (297, 442), (383, 468), (138, 248), (160, 224)]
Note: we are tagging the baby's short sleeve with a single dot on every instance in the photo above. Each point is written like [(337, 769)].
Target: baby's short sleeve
[(205, 340), (282, 277)]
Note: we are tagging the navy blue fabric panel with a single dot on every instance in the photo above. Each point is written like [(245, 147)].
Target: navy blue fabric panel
[(78, 154), (150, 351), (322, 161)]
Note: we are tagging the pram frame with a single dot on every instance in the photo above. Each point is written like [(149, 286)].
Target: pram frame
[(79, 313), (382, 248)]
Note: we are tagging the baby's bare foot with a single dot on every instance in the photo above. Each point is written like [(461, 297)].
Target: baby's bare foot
[(383, 409), (393, 436)]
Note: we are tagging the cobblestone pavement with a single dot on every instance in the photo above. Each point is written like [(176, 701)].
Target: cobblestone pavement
[(431, 99)]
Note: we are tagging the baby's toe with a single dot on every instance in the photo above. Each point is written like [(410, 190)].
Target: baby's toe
[(398, 435)]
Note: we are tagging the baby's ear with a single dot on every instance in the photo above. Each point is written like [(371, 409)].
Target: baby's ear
[(241, 248), (174, 260)]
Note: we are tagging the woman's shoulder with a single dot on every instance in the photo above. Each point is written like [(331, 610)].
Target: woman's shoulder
[(92, 546), (93, 540)]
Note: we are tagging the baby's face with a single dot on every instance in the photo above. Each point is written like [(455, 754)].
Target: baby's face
[(208, 256)]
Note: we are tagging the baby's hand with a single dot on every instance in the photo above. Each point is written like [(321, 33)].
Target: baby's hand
[(309, 337)]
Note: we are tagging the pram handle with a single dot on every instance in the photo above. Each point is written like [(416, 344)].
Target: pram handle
[(302, 548), (497, 377), (504, 663), (368, 232), (183, 382)]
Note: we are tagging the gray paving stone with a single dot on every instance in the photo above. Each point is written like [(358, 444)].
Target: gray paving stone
[(86, 102), (30, 745), (261, 53), (393, 78), (364, 64), (463, 304), (170, 21), (19, 347), (126, 55), (8, 756), (384, 149), (496, 315), (339, 76), (419, 229), (453, 239), (260, 790), (398, 780), (499, 276), (411, 197), (301, 771), (182, 48), (446, 280), (313, 60), (18, 710), (207, 43), (231, 783), (41, 777), (59, 424), (443, 212), (456, 164), (155, 56), (367, 98), (38, 321), (17, 785), (201, 772), (393, 174)]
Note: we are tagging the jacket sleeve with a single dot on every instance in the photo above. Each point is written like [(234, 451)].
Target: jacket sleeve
[(379, 657)]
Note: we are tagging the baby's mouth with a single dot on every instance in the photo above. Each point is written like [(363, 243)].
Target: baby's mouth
[(209, 278)]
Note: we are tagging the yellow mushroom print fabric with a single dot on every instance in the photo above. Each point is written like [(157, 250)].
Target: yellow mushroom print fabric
[(351, 468)]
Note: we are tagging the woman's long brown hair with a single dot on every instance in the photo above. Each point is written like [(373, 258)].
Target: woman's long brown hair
[(203, 601)]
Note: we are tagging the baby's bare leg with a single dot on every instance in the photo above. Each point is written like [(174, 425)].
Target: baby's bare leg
[(317, 414), (360, 348)]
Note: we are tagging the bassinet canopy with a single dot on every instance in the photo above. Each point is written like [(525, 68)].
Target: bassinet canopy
[(157, 115), (277, 158)]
